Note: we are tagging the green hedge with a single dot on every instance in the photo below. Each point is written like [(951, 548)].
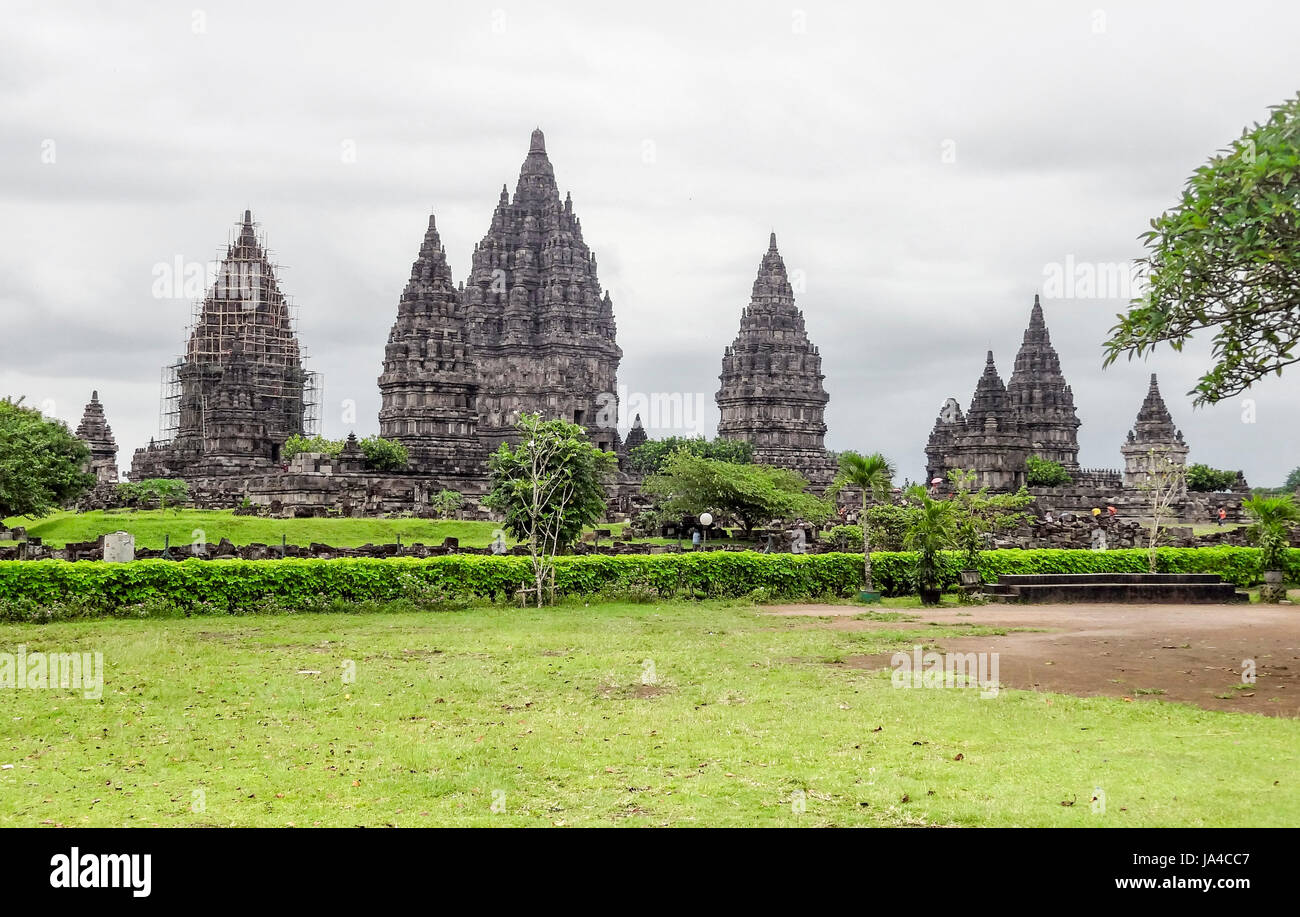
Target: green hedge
[(241, 585), (234, 586), (892, 571)]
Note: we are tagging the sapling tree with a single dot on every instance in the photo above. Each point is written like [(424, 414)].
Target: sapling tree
[(1165, 486), (549, 488)]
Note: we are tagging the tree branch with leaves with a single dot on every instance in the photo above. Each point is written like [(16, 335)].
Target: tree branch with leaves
[(1227, 258)]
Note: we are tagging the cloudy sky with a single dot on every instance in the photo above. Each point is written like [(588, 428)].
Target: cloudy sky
[(927, 168)]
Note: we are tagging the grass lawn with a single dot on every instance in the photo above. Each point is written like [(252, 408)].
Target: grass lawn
[(149, 527), (639, 714)]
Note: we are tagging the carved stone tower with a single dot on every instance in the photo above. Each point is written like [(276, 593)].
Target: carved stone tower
[(429, 389), (541, 330), (1152, 433), (990, 441), (1041, 398), (95, 432), (771, 394)]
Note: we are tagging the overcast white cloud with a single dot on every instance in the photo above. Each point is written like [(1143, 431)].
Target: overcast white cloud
[(921, 165)]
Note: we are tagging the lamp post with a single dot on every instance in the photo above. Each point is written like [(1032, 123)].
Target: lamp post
[(706, 520)]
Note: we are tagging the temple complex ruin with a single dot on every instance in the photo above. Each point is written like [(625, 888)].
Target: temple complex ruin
[(531, 330), (1034, 415), (772, 394)]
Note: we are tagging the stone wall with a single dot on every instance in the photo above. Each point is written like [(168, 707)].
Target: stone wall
[(1195, 509)]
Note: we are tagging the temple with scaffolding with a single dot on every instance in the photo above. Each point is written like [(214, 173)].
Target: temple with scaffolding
[(240, 390)]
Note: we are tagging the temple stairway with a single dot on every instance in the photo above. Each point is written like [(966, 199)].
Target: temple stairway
[(1120, 588)]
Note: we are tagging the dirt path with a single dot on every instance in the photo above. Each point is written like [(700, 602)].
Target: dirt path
[(1192, 654)]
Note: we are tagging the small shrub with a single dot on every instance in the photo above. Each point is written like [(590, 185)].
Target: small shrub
[(1041, 472)]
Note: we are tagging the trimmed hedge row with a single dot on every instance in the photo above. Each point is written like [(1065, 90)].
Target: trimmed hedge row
[(238, 585), (891, 572), (244, 585)]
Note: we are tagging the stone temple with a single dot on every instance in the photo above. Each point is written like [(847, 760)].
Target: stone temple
[(772, 394), (95, 432), (1040, 397), (1153, 435), (530, 331), (1034, 415), (429, 388), (240, 390)]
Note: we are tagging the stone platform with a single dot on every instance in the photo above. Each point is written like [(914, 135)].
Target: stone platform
[(1122, 588)]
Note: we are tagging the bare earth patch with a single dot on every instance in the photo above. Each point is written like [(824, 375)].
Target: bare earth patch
[(1190, 654), (642, 692)]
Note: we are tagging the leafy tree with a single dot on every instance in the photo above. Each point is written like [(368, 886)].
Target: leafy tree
[(1041, 472), (1226, 258), (978, 514), (42, 465), (1204, 479), (549, 488), (751, 494), (1293, 480), (299, 443), (650, 456), (874, 476), (162, 490), (384, 454), (446, 503), (888, 522)]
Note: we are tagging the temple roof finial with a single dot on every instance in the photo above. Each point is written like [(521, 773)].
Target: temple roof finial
[(538, 142)]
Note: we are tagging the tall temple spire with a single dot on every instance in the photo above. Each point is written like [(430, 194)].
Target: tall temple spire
[(541, 328), (771, 393), (990, 400), (1154, 422), (246, 316), (1037, 330), (637, 435), (95, 432), (1154, 441), (428, 386), (1040, 396)]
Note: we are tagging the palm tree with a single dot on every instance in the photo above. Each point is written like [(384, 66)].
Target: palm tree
[(933, 530), (874, 476)]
